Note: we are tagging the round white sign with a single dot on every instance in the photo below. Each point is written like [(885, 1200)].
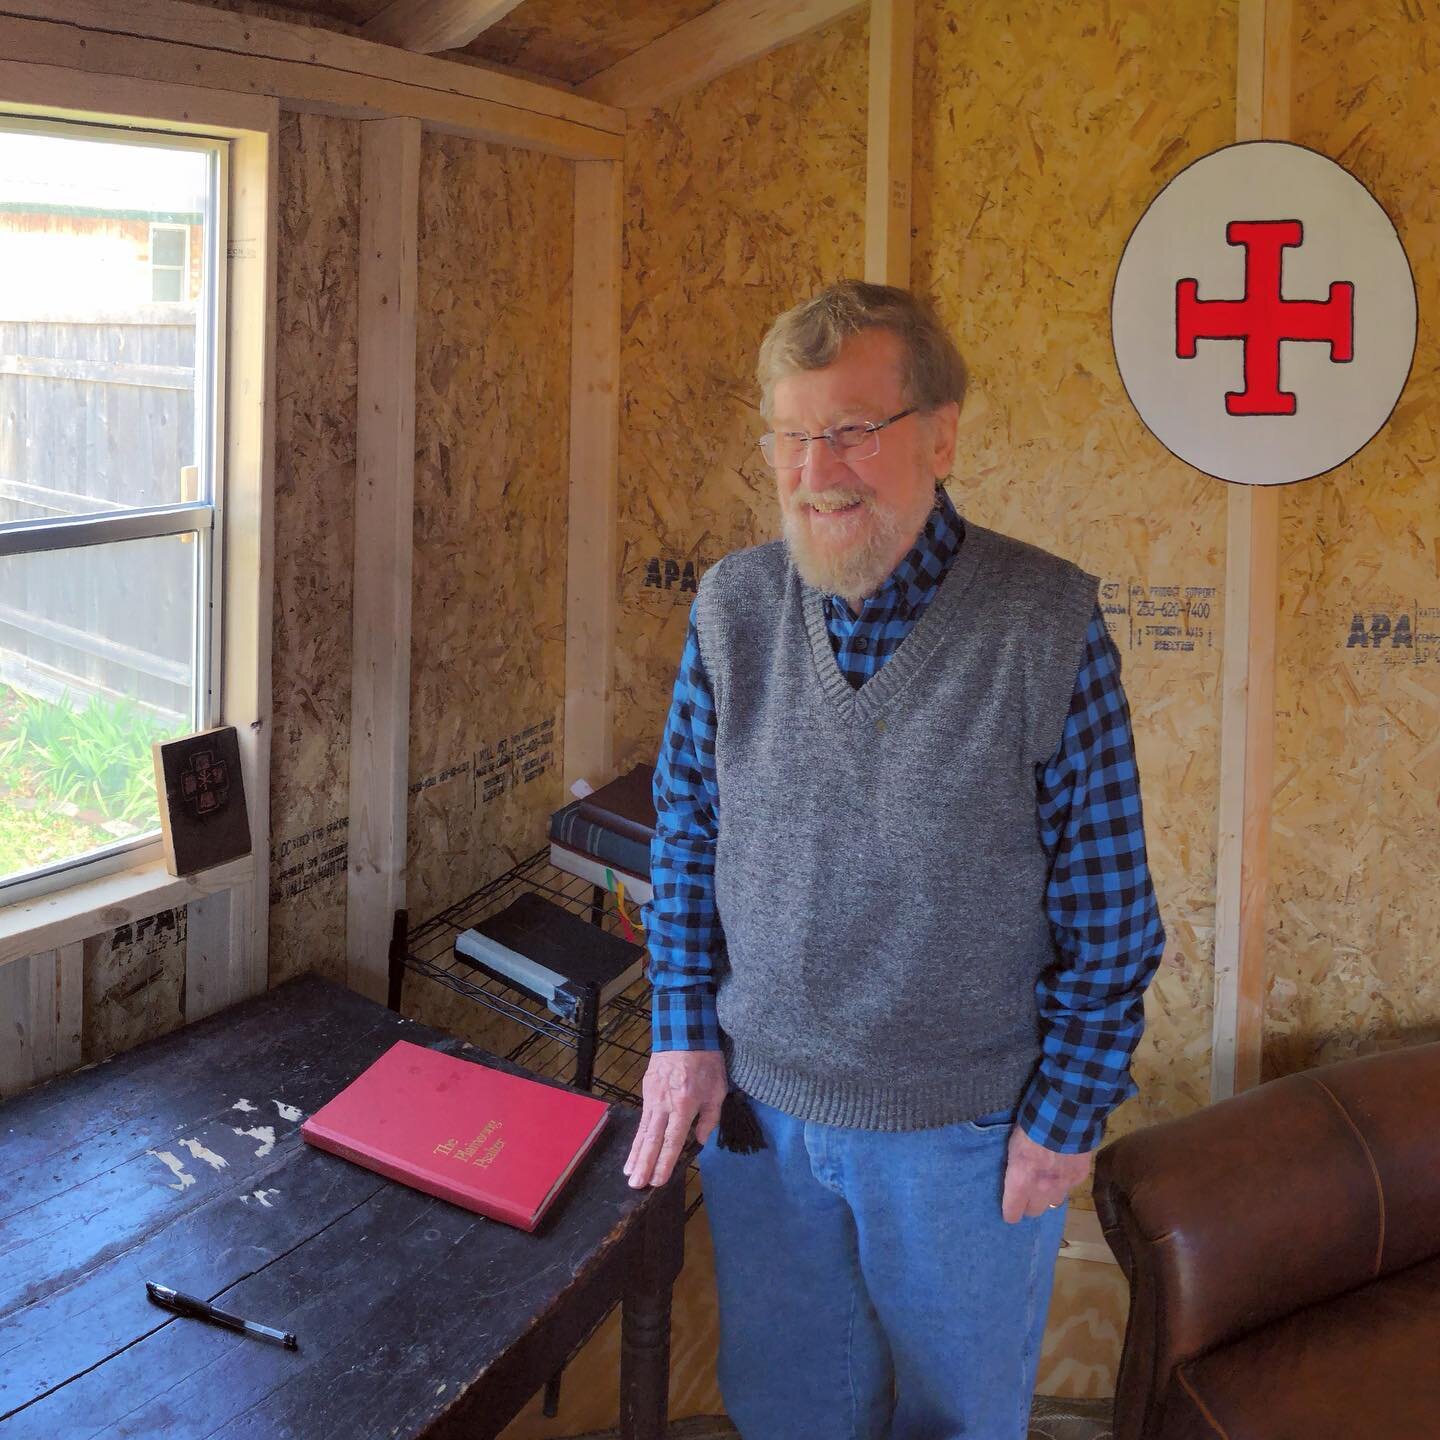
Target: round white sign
[(1264, 314)]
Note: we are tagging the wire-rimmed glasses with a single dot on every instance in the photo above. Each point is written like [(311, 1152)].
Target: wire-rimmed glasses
[(788, 449)]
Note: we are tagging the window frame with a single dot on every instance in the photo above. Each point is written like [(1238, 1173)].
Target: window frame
[(95, 896), (202, 517)]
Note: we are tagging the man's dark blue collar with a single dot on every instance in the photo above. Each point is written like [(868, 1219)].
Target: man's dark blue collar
[(913, 582)]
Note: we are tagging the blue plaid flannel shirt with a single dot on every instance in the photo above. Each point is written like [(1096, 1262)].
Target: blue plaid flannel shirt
[(1099, 897)]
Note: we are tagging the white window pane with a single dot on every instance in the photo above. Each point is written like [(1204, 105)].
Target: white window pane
[(99, 407), (167, 247), (96, 661), (165, 285)]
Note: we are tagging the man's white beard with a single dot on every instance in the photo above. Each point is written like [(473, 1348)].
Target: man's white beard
[(863, 568)]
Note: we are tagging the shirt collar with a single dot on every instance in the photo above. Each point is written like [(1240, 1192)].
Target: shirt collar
[(913, 582)]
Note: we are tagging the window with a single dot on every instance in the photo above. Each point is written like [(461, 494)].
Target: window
[(110, 419), (169, 262)]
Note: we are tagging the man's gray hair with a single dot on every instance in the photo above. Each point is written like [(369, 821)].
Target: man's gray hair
[(809, 336)]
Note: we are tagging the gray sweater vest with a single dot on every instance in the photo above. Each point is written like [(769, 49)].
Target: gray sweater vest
[(879, 874)]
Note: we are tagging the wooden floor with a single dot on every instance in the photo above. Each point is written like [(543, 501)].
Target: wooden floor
[(1070, 1420), (1051, 1420)]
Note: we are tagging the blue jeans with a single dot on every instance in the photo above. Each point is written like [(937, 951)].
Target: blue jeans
[(869, 1287)]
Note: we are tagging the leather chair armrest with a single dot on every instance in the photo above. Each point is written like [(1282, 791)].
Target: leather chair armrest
[(1287, 1195)]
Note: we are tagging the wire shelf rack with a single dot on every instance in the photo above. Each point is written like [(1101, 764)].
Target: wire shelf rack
[(548, 1045)]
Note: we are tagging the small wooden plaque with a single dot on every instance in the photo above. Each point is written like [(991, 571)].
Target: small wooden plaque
[(203, 818)]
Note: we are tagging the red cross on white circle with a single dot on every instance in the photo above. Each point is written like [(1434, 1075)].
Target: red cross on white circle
[(1264, 314)]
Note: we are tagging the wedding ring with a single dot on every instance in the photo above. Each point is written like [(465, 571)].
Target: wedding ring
[(1055, 1206)]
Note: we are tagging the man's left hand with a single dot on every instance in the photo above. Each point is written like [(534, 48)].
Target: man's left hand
[(1037, 1179)]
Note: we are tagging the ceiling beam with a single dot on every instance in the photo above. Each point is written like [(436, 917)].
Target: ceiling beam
[(300, 63), (729, 34), (432, 25), (45, 60)]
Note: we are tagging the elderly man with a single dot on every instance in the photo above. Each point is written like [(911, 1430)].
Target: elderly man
[(903, 918)]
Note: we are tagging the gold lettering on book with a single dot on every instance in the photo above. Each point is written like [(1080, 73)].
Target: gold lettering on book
[(470, 1152)]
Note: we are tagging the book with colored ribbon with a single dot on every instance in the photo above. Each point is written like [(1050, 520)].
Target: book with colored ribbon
[(612, 826)]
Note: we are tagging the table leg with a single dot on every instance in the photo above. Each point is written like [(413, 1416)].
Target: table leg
[(551, 1403), (588, 1025), (645, 1317), (645, 1365), (399, 938)]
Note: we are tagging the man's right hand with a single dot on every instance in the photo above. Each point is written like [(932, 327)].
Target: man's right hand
[(681, 1088)]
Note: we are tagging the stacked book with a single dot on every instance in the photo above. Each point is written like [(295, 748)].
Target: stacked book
[(612, 826), (548, 952)]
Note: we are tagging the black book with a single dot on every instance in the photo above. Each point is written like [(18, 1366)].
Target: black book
[(550, 952), (203, 819)]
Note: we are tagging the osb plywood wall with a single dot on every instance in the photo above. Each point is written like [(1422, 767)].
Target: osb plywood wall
[(742, 197), (737, 196), (1354, 923), (490, 493), (134, 984), (1040, 136), (1042, 133), (315, 381), (491, 490)]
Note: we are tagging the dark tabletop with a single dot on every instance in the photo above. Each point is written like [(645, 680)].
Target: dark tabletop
[(181, 1162)]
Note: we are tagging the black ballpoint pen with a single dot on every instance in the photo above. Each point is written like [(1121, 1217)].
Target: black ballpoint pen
[(181, 1304)]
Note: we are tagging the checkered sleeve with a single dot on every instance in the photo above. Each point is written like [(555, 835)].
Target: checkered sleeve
[(682, 925), (1102, 910)]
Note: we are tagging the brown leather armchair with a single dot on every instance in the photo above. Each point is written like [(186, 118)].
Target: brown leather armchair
[(1283, 1253)]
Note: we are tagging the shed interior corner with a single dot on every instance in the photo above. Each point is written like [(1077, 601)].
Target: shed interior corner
[(581, 219)]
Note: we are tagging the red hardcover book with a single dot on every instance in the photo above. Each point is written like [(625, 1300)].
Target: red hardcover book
[(493, 1142)]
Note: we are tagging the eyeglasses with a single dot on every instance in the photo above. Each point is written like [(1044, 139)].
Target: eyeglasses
[(788, 449)]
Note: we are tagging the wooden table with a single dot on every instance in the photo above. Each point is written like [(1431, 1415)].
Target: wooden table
[(182, 1162)]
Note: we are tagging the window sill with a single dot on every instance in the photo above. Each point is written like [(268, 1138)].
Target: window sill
[(91, 907)]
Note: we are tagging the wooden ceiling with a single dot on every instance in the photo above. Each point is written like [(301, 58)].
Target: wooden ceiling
[(627, 55), (561, 41), (574, 40)]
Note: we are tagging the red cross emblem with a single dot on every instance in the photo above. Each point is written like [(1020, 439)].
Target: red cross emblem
[(205, 785), (1263, 318)]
